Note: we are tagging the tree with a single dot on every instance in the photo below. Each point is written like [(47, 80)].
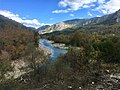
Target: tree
[(110, 49), (36, 38)]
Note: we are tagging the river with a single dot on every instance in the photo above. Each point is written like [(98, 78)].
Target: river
[(55, 51)]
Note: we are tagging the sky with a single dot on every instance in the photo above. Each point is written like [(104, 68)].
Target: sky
[(36, 13)]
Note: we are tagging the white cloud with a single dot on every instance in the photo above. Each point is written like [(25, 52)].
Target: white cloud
[(73, 5), (23, 17), (51, 18), (62, 4), (33, 23), (88, 6), (105, 7), (109, 7), (90, 14), (93, 15), (98, 16), (101, 1), (72, 15), (60, 11)]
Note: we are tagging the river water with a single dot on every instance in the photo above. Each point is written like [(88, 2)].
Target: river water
[(55, 51)]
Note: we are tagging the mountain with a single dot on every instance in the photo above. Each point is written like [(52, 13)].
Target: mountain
[(43, 27), (11, 30), (107, 19), (6, 22), (14, 38)]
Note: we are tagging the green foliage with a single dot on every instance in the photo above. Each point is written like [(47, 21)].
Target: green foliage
[(79, 39), (110, 49), (105, 45), (59, 38)]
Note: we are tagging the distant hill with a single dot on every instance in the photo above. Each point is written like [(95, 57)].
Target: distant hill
[(43, 27), (104, 20)]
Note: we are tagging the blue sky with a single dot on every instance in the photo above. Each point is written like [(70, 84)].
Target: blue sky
[(36, 13)]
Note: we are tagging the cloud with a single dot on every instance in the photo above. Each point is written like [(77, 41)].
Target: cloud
[(51, 18), (60, 11), (72, 15), (62, 4), (109, 7), (90, 14), (73, 5), (32, 23), (101, 1), (88, 6), (98, 16), (102, 6), (93, 15)]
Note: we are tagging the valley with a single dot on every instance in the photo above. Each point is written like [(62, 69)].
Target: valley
[(78, 54)]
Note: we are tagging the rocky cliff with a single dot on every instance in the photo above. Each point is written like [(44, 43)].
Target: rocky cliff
[(107, 19)]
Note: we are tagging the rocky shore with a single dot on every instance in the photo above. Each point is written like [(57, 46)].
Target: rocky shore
[(58, 45), (45, 50)]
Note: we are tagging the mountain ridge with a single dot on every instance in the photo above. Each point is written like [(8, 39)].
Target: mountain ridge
[(106, 19), (6, 22)]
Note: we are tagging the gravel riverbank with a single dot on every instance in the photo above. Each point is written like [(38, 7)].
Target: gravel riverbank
[(45, 50), (58, 45)]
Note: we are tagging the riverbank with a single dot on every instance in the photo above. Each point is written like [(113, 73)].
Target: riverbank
[(58, 45), (51, 49), (46, 50)]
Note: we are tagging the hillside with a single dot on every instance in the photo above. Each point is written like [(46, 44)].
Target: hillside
[(19, 52), (16, 45), (13, 36), (43, 27), (104, 20), (5, 22)]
